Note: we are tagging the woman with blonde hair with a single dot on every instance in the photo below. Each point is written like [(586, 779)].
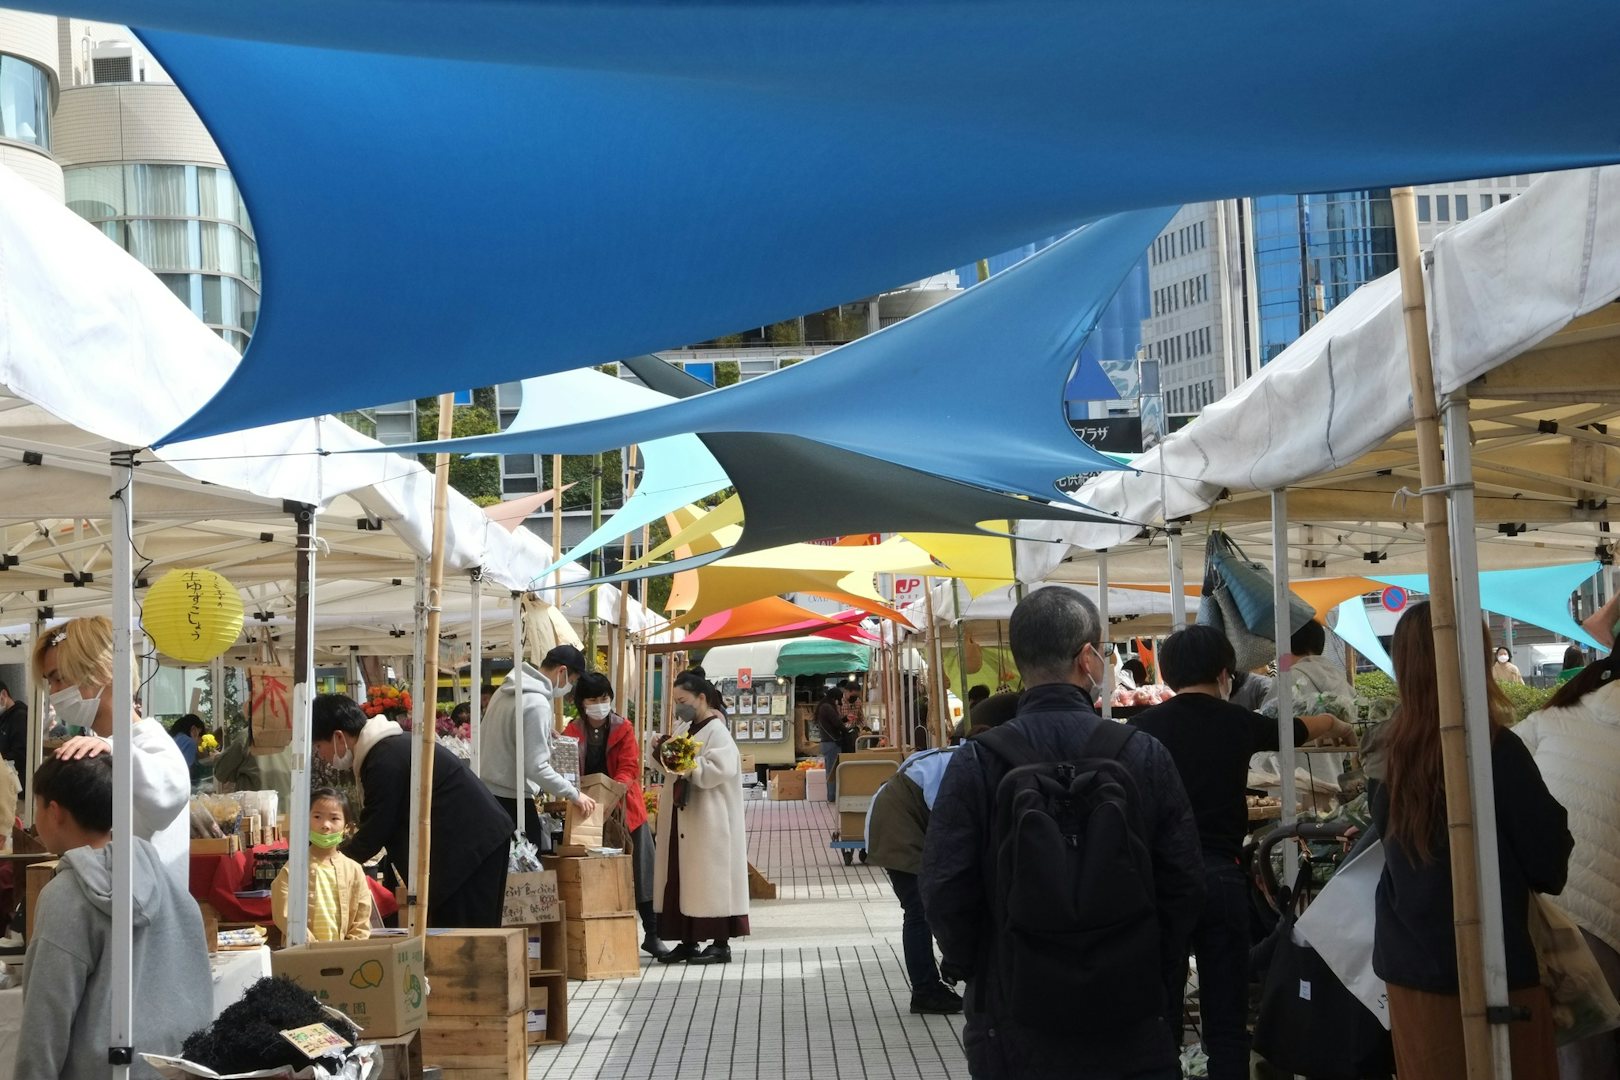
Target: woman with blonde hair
[(1414, 941), (75, 660)]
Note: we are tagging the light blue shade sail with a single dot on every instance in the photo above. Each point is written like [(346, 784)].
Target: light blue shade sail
[(821, 656), (466, 192), (1357, 631), (677, 470), (971, 390), (1538, 595)]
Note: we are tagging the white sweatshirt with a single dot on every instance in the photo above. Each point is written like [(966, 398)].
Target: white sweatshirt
[(162, 796)]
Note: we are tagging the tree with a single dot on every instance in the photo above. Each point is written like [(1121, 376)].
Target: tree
[(477, 478)]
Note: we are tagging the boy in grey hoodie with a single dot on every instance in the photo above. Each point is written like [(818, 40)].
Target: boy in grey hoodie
[(67, 1000)]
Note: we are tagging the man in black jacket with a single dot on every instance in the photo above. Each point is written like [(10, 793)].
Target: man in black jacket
[(14, 732), (1056, 643), (470, 833)]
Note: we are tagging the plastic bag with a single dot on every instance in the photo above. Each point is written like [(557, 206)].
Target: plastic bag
[(525, 858), (1582, 1003)]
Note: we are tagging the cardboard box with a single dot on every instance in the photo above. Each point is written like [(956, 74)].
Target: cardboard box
[(477, 972), (581, 832), (815, 785), (531, 898), (786, 785), (218, 845), (852, 826), (477, 1047), (604, 948), (401, 1057), (590, 886), (378, 983)]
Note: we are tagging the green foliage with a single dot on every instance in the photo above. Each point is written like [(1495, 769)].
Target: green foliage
[(1525, 699), (1372, 685), (789, 361), (609, 369), (729, 341), (476, 478), (235, 719), (727, 373), (846, 326), (785, 333), (576, 470)]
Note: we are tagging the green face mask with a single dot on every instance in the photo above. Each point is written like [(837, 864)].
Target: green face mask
[(326, 839)]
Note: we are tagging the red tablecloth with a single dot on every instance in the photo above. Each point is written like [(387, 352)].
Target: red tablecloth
[(216, 879)]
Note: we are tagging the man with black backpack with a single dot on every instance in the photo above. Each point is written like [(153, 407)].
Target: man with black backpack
[(1061, 872)]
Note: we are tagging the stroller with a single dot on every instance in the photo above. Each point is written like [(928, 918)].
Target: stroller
[(1307, 1024)]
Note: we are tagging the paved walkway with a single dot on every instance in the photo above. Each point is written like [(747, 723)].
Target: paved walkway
[(818, 991)]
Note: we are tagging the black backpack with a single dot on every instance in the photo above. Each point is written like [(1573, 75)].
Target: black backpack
[(1072, 897)]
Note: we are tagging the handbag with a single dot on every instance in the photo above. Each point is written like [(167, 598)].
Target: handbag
[(1582, 1003), (1251, 649), (1251, 587), (1308, 1023)]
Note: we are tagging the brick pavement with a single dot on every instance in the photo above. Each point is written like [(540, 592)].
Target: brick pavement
[(818, 990)]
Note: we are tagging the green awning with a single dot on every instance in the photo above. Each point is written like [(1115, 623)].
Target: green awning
[(818, 656)]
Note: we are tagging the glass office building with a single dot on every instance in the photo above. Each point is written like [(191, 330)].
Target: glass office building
[(1312, 251)]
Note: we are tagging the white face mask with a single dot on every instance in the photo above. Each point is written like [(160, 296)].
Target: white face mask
[(344, 760), (73, 710), (599, 711)]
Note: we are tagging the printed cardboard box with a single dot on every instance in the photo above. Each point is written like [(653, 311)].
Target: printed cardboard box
[(378, 983)]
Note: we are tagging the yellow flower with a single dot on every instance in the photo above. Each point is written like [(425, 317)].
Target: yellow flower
[(208, 743)]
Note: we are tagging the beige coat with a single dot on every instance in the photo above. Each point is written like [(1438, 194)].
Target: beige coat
[(714, 847)]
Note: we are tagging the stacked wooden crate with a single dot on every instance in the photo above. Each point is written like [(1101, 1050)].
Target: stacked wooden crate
[(478, 1003), (547, 1019), (600, 925)]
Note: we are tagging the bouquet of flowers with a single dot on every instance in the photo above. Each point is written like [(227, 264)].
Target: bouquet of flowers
[(678, 753), (207, 745), (385, 700)]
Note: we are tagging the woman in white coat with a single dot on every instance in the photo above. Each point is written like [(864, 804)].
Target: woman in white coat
[(700, 883), (1575, 740), (76, 661)]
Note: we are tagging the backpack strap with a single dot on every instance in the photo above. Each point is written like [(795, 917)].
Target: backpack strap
[(1011, 746), (1108, 739)]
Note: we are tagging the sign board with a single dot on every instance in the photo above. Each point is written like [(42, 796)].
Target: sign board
[(907, 589), (462, 397), (1110, 434), (531, 897), (1393, 598), (700, 371), (269, 707), (745, 678)]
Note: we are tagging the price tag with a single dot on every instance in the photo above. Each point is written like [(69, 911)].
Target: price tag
[(316, 1040)]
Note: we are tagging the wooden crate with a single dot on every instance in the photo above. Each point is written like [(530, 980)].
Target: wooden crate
[(35, 878), (476, 1047), (553, 990), (606, 947), (590, 885), (760, 887), (477, 972), (548, 947)]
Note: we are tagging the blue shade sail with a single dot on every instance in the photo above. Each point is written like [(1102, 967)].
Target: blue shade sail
[(465, 192), (1538, 595), (898, 395), (1357, 631)]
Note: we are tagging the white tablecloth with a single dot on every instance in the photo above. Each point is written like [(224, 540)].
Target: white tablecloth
[(233, 973)]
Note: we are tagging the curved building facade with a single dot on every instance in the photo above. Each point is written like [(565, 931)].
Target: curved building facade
[(29, 89), (140, 165)]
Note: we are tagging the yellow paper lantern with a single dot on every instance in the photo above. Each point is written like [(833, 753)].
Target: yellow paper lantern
[(192, 615)]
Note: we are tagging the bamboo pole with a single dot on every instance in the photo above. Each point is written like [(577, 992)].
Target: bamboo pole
[(624, 586), (593, 620), (430, 672), (1477, 1039)]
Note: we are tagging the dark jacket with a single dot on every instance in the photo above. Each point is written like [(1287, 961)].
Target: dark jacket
[(830, 724), (898, 820), (1414, 940), (467, 823), (14, 736), (1057, 719)]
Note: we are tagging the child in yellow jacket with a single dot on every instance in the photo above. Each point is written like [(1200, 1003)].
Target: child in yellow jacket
[(339, 898)]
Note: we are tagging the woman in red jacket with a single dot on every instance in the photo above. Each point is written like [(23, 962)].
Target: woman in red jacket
[(607, 744)]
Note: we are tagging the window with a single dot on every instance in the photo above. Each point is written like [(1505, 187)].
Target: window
[(1462, 208), (1500, 199), (25, 102), (1442, 208), (1485, 202), (1423, 207)]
